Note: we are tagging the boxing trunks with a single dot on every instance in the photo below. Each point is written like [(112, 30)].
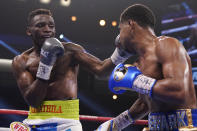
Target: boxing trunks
[(178, 120), (60, 115)]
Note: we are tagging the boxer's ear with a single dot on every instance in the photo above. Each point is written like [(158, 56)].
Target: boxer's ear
[(132, 24), (28, 32)]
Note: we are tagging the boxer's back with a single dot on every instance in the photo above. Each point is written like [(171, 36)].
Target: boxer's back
[(150, 65)]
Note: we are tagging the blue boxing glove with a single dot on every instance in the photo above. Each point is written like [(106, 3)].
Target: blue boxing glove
[(51, 49), (128, 77)]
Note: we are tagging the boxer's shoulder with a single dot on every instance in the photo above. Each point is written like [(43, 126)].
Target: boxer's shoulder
[(18, 64), (21, 59), (165, 46), (166, 41)]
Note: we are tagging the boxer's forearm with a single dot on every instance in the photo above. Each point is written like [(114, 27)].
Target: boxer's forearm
[(104, 69), (169, 90), (139, 109), (36, 92)]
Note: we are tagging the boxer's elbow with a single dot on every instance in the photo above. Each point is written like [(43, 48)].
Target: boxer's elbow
[(32, 101), (179, 92), (179, 97)]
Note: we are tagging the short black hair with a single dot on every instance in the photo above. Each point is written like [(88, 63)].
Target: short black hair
[(35, 12), (139, 13)]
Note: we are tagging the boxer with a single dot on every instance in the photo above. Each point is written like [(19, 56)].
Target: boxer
[(162, 76), (46, 75)]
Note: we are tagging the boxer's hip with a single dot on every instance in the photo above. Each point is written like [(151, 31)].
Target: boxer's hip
[(173, 120), (58, 109), (60, 114), (68, 109)]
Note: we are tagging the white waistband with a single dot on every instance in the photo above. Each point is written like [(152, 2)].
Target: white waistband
[(50, 120)]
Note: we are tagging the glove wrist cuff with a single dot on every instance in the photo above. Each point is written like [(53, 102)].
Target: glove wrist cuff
[(117, 58), (123, 120), (144, 85), (44, 71)]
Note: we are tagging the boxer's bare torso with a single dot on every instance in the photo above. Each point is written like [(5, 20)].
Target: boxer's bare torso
[(164, 59), (179, 67), (63, 81)]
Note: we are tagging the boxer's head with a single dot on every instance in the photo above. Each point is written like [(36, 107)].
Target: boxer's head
[(137, 15), (40, 25), (140, 14)]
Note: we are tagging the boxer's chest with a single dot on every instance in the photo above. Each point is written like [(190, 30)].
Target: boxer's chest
[(149, 66), (32, 65), (60, 68)]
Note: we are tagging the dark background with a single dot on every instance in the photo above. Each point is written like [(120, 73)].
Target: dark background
[(95, 98)]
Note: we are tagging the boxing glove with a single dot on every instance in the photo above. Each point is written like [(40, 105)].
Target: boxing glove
[(128, 77), (119, 55), (51, 49), (118, 123)]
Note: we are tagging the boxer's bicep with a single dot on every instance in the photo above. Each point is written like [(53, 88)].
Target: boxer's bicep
[(173, 66), (23, 77), (172, 59), (24, 81)]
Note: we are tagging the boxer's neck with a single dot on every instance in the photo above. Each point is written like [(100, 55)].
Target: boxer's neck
[(143, 39)]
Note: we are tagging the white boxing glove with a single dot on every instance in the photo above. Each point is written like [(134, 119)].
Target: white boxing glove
[(119, 55), (118, 123)]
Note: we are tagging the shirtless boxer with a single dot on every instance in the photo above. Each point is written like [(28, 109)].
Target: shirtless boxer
[(46, 75), (162, 76)]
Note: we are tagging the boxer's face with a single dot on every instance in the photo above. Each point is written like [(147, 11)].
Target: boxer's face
[(41, 28), (126, 35)]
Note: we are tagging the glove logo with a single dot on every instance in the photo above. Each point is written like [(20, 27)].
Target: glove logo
[(120, 73), (44, 53)]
